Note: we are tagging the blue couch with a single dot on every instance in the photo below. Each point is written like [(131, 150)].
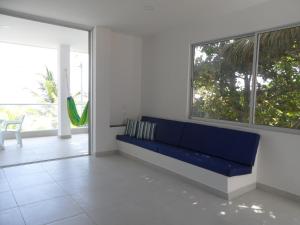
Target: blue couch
[(224, 151)]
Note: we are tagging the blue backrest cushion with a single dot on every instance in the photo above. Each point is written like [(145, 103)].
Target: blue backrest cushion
[(237, 146), (166, 131)]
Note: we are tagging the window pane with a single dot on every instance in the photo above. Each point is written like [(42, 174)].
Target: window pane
[(278, 79), (222, 75)]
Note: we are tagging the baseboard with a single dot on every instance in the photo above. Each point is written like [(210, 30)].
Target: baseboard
[(241, 191), (106, 153), (277, 191)]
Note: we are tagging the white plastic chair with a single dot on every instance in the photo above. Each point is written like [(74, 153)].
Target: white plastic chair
[(5, 128)]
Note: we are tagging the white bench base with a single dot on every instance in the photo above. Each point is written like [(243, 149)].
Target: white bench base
[(223, 186)]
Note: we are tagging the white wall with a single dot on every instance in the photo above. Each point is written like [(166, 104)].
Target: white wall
[(165, 81), (126, 59), (110, 84)]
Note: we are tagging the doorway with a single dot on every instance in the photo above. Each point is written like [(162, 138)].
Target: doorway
[(44, 91)]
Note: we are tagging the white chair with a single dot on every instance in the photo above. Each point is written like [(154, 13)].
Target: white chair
[(6, 128)]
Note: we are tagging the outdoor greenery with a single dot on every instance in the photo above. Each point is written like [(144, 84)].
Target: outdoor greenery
[(222, 79), (47, 92), (30, 87), (37, 116)]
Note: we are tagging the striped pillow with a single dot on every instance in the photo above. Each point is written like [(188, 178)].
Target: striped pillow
[(146, 130), (131, 127)]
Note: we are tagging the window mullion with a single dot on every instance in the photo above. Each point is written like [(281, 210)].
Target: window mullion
[(191, 81), (254, 81)]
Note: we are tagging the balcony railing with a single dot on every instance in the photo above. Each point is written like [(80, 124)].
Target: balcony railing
[(37, 116)]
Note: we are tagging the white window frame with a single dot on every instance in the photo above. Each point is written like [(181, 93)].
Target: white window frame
[(251, 124)]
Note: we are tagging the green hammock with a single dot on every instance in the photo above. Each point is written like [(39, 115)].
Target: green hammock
[(75, 119)]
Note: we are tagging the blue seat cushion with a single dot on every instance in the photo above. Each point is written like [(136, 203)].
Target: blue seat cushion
[(151, 145), (215, 164), (233, 145), (166, 131)]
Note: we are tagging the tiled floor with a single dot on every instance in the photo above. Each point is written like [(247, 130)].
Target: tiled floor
[(43, 148), (114, 190)]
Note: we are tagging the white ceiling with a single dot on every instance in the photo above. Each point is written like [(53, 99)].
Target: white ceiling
[(144, 17), (141, 17), (27, 32)]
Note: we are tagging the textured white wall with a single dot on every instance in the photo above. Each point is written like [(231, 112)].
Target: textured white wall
[(126, 59), (165, 82), (116, 84)]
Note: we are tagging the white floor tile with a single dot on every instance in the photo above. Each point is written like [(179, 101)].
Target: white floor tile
[(76, 185), (29, 180), (11, 217), (43, 148), (63, 165), (19, 171), (2, 174), (75, 172), (4, 185), (38, 193), (7, 200), (76, 220), (121, 191), (49, 211)]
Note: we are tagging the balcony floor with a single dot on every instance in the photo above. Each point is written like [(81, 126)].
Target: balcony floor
[(43, 148)]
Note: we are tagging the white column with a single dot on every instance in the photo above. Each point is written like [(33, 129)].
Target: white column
[(64, 128), (101, 132)]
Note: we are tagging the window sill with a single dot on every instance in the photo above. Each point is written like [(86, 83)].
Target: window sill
[(243, 126)]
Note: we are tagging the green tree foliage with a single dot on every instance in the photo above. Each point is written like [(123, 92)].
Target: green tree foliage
[(218, 84), (223, 78), (40, 116), (47, 91)]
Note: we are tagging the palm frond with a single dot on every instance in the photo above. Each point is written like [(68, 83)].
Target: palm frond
[(275, 43), (47, 87)]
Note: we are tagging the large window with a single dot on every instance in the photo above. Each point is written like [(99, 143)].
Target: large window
[(221, 85), (224, 72), (278, 79)]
